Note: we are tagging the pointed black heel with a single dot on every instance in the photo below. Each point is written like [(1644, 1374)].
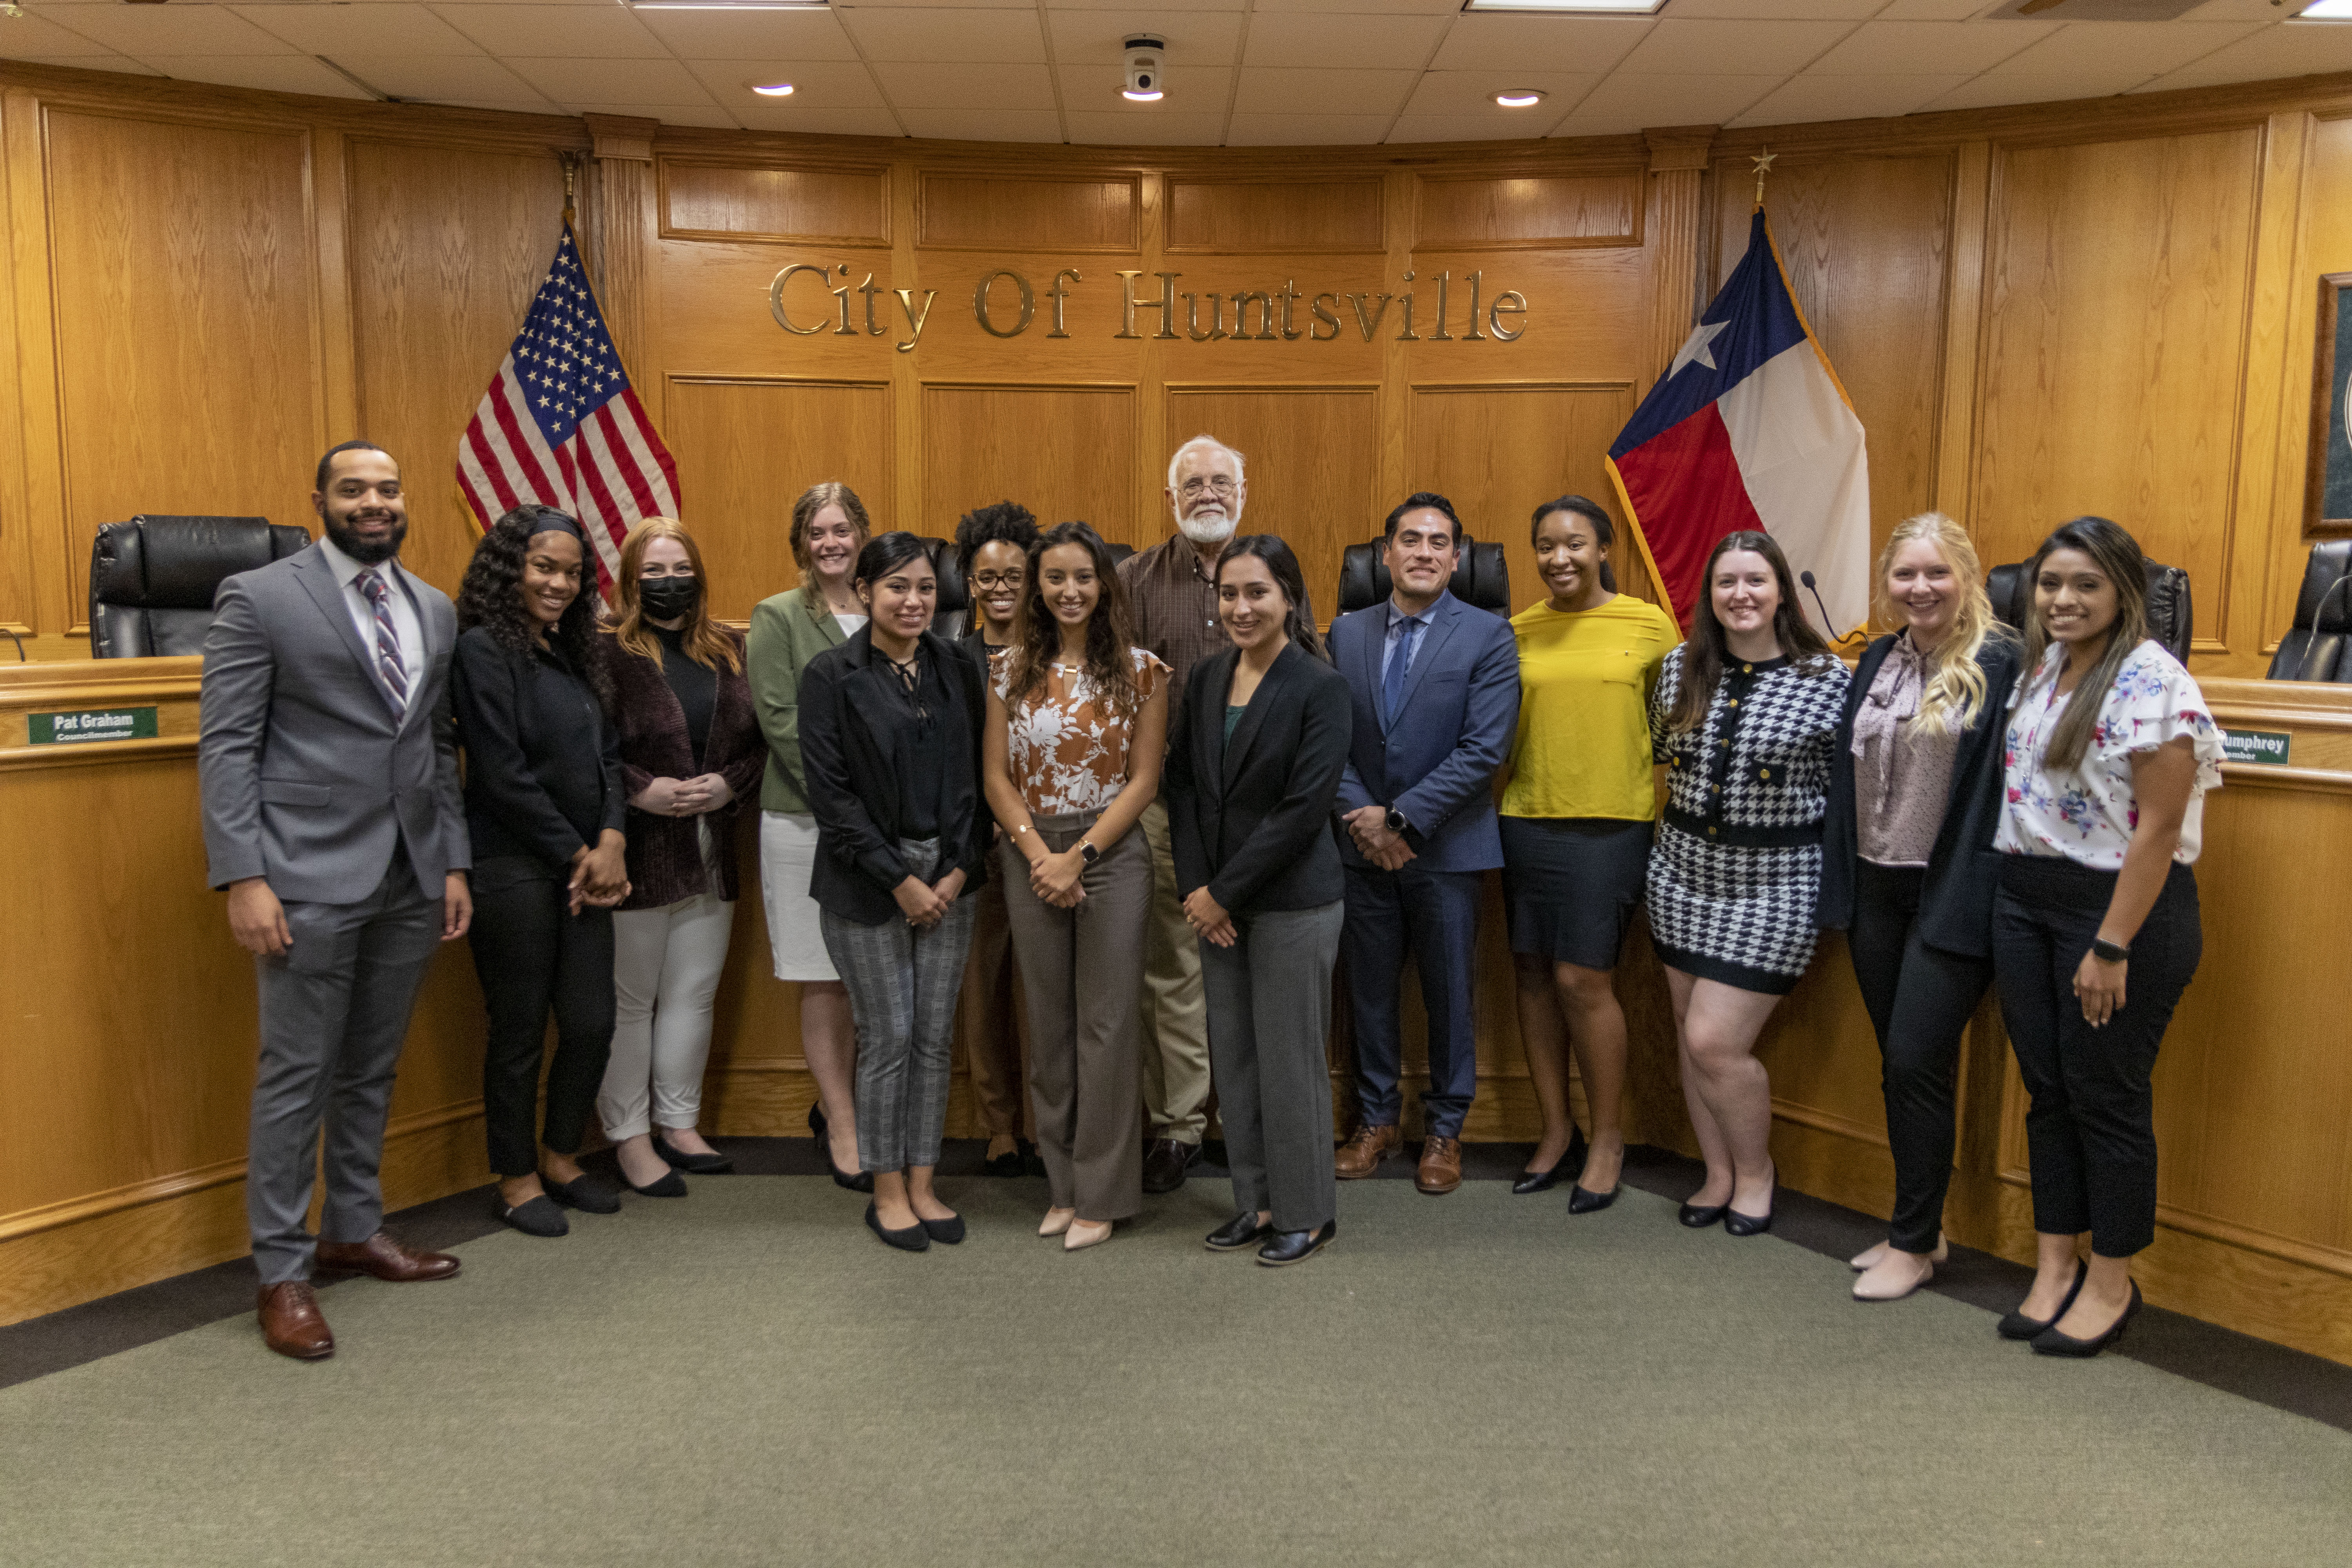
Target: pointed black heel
[(2049, 1341), (1567, 1165), (2018, 1326), (856, 1181)]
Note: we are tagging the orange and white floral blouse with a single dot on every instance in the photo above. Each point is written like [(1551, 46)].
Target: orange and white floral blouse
[(1068, 750)]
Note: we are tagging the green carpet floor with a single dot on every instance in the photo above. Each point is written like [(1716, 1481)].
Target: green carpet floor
[(747, 1377)]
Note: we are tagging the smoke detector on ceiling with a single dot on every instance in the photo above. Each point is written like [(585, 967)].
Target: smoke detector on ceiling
[(1144, 68)]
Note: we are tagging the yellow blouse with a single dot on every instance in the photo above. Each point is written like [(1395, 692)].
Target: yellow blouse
[(1585, 677)]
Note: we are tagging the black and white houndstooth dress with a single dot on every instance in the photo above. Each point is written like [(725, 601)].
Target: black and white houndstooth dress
[(1736, 875)]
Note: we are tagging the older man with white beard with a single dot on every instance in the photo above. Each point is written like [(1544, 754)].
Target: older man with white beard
[(1173, 589)]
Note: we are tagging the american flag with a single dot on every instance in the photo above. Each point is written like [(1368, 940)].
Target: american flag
[(561, 425)]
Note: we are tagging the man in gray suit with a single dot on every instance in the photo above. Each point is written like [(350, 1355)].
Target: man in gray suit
[(332, 818)]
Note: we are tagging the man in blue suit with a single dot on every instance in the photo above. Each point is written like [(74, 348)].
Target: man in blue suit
[(1437, 696)]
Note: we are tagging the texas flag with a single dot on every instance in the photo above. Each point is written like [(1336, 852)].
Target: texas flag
[(1750, 428)]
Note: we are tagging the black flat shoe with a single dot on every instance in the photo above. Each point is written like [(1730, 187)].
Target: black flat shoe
[(915, 1238), (2049, 1341), (1699, 1217), (1289, 1247), (695, 1165), (1567, 1164), (587, 1194), (670, 1185), (535, 1216), (947, 1232), (855, 1180), (1008, 1163), (1241, 1230), (1582, 1200), (2018, 1326), (1738, 1224)]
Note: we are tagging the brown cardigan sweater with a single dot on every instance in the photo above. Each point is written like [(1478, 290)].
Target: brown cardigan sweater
[(664, 857)]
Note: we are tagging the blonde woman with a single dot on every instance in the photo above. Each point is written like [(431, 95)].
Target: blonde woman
[(1908, 870)]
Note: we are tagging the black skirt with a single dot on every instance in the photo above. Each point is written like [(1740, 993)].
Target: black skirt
[(1571, 885)]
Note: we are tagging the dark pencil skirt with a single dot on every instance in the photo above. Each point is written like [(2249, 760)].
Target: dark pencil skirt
[(1571, 885)]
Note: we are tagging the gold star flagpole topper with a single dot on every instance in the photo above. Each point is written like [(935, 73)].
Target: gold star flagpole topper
[(1763, 162)]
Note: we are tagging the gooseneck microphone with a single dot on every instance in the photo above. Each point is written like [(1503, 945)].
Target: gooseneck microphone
[(1807, 579)]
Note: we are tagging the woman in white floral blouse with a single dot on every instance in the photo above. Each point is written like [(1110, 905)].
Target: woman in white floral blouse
[(2107, 757), (1077, 723)]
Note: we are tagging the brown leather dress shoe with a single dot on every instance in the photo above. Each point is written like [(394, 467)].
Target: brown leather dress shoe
[(1441, 1165), (291, 1323), (385, 1258), (1362, 1155), (1165, 1161)]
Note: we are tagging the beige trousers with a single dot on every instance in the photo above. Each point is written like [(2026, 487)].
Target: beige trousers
[(1175, 1016)]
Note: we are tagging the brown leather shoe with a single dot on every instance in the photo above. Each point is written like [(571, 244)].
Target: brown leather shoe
[(1165, 1161), (385, 1258), (1362, 1155), (291, 1323), (1441, 1165)]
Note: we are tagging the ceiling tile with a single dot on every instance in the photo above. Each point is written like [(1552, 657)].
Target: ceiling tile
[(1782, 10), (1582, 44), (122, 64), (445, 78), (817, 84), (1323, 42), (704, 114), (1306, 129), (1190, 89), (1933, 10), (269, 73), (337, 30), (1144, 129), (1158, 5), (612, 81), (173, 30), (819, 118), (477, 4), (1392, 7), (1622, 102), (983, 124), (1903, 48), (948, 37), (1990, 91), (1473, 93), (841, 9), (2107, 48), (2238, 11), (916, 86), (1473, 127), (608, 32), (1272, 91), (1194, 38), (1808, 98), (28, 38), (2272, 52), (1726, 49), (752, 35)]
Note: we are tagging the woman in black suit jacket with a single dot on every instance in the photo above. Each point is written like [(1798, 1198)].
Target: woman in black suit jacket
[(1250, 778), (1908, 864), (890, 745)]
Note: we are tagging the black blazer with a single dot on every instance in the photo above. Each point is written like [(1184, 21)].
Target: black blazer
[(543, 761), (852, 787), (1254, 823), (1963, 869)]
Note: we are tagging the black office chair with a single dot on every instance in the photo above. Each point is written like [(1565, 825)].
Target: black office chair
[(1116, 550), (953, 616), (2172, 615), (2314, 649), (1481, 576), (152, 579)]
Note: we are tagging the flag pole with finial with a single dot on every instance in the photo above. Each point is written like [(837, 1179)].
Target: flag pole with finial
[(1763, 162), (571, 174)]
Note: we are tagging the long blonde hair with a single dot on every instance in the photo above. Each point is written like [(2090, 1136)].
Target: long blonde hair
[(1955, 681), (704, 642)]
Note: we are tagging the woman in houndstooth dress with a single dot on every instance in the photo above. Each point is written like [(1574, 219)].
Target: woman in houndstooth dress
[(1743, 716)]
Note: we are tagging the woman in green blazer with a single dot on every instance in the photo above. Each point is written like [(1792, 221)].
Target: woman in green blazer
[(829, 528)]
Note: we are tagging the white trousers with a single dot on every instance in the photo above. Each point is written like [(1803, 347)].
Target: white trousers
[(665, 969)]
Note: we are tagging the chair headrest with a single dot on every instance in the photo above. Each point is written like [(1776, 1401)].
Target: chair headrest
[(2171, 613), (2333, 613), (1481, 578), (2330, 560), (178, 562), (953, 592)]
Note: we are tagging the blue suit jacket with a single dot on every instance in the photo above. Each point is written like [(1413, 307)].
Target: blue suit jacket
[(1436, 762)]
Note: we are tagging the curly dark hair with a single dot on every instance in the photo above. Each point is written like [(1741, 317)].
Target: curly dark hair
[(491, 597), (1110, 630), (1006, 522)]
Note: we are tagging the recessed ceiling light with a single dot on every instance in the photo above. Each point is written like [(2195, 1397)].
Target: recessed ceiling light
[(1519, 97), (772, 89), (1154, 96), (1570, 7), (2324, 11)]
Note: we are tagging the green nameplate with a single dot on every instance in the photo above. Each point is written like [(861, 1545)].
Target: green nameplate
[(91, 725), (2268, 747)]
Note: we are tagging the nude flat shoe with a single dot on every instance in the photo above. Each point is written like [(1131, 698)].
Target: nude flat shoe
[(1892, 1278), (1872, 1257), (1056, 1221), (1084, 1233)]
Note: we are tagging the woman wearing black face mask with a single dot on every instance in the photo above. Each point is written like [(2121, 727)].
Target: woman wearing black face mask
[(690, 750)]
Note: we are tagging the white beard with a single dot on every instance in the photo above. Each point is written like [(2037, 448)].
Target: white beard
[(1208, 527)]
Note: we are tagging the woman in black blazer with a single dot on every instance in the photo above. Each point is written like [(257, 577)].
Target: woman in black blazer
[(890, 745), (1908, 869), (1251, 777)]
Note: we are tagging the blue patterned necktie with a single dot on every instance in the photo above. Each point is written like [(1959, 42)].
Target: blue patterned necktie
[(1399, 663), (387, 641)]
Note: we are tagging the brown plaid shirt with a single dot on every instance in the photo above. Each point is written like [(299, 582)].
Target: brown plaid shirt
[(1175, 607)]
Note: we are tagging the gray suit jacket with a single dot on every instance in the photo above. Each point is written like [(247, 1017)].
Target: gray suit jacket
[(308, 778)]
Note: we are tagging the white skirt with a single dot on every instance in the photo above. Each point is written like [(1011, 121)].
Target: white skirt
[(787, 857)]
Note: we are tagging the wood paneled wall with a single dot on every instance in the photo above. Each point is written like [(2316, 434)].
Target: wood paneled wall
[(2037, 312)]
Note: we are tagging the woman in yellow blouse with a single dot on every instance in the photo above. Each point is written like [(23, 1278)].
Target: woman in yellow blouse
[(1576, 820)]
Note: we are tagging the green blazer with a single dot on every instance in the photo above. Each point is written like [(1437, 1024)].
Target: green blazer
[(787, 631)]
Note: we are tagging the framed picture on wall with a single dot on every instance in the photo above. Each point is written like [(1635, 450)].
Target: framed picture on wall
[(2327, 494)]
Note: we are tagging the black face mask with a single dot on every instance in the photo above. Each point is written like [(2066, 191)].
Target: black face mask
[(669, 598)]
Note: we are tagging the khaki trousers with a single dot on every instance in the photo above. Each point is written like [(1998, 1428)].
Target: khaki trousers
[(1175, 1018), (996, 1044)]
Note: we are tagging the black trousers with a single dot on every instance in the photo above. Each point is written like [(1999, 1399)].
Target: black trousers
[(2091, 1128), (534, 957), (1919, 998)]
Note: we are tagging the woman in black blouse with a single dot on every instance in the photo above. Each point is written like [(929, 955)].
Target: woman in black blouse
[(890, 743), (544, 807)]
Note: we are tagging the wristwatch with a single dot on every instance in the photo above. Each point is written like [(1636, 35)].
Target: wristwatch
[(1397, 824), (1088, 852), (2109, 952)]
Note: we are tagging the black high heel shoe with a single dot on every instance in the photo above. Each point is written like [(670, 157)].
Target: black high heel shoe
[(1568, 1165), (856, 1181), (2018, 1326), (693, 1165), (2049, 1341)]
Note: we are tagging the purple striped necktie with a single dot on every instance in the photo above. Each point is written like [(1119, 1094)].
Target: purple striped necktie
[(387, 641)]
